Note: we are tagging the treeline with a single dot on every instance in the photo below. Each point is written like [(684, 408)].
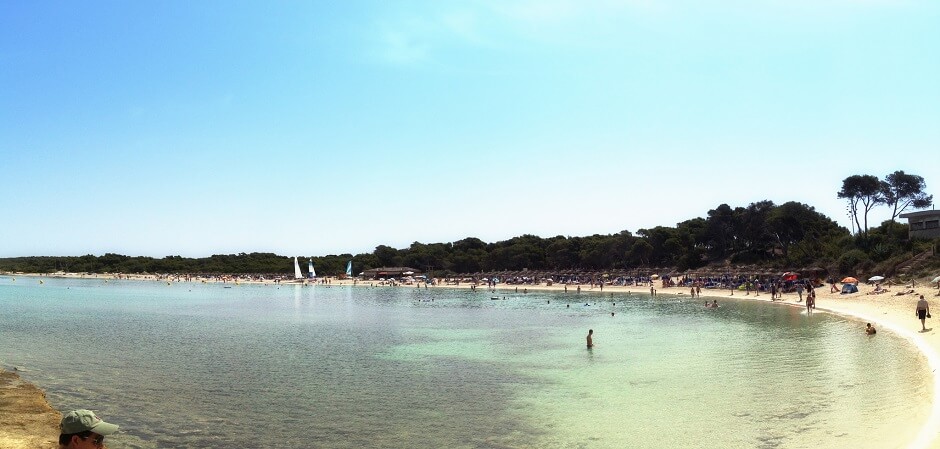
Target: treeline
[(786, 236), (117, 263), (898, 191)]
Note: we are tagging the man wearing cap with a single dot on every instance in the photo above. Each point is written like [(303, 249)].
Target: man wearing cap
[(82, 429)]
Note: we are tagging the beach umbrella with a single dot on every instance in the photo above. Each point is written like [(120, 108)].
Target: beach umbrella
[(936, 279), (655, 276), (876, 278), (790, 276), (850, 280)]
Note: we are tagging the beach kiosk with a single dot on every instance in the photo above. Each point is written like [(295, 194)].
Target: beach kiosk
[(923, 224)]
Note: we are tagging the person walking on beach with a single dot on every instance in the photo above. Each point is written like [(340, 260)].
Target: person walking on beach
[(590, 341), (923, 312), (83, 429)]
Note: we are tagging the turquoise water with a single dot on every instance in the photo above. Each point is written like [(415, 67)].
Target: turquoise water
[(202, 365)]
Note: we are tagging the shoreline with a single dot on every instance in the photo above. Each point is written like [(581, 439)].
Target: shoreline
[(890, 311), (29, 419), (25, 405)]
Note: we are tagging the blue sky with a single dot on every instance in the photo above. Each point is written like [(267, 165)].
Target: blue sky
[(314, 128)]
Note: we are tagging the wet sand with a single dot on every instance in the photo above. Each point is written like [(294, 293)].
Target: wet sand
[(28, 420)]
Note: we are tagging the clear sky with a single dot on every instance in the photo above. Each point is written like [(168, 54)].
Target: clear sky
[(328, 127)]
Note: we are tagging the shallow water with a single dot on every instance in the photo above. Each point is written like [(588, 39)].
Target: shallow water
[(202, 365)]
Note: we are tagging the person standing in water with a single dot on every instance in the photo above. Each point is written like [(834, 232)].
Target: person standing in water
[(590, 341)]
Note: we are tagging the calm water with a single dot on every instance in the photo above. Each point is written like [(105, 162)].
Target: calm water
[(194, 365)]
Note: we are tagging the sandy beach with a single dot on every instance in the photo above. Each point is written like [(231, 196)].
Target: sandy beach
[(35, 422)]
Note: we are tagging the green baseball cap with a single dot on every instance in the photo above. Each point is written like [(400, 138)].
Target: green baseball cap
[(77, 421)]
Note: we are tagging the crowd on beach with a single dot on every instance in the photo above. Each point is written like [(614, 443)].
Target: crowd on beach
[(181, 277), (757, 282)]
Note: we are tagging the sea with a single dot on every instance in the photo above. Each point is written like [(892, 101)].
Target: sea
[(194, 365)]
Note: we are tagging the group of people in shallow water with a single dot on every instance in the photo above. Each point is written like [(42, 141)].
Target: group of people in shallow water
[(922, 312)]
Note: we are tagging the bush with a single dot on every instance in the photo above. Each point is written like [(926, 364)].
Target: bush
[(853, 260), (882, 251)]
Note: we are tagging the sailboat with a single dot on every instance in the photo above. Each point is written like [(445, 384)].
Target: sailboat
[(349, 268), (312, 274), (297, 274)]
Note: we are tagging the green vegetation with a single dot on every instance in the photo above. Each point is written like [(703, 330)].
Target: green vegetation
[(764, 235), (788, 236), (899, 191)]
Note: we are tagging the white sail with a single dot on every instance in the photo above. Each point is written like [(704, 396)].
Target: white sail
[(349, 268), (311, 273), (297, 273)]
